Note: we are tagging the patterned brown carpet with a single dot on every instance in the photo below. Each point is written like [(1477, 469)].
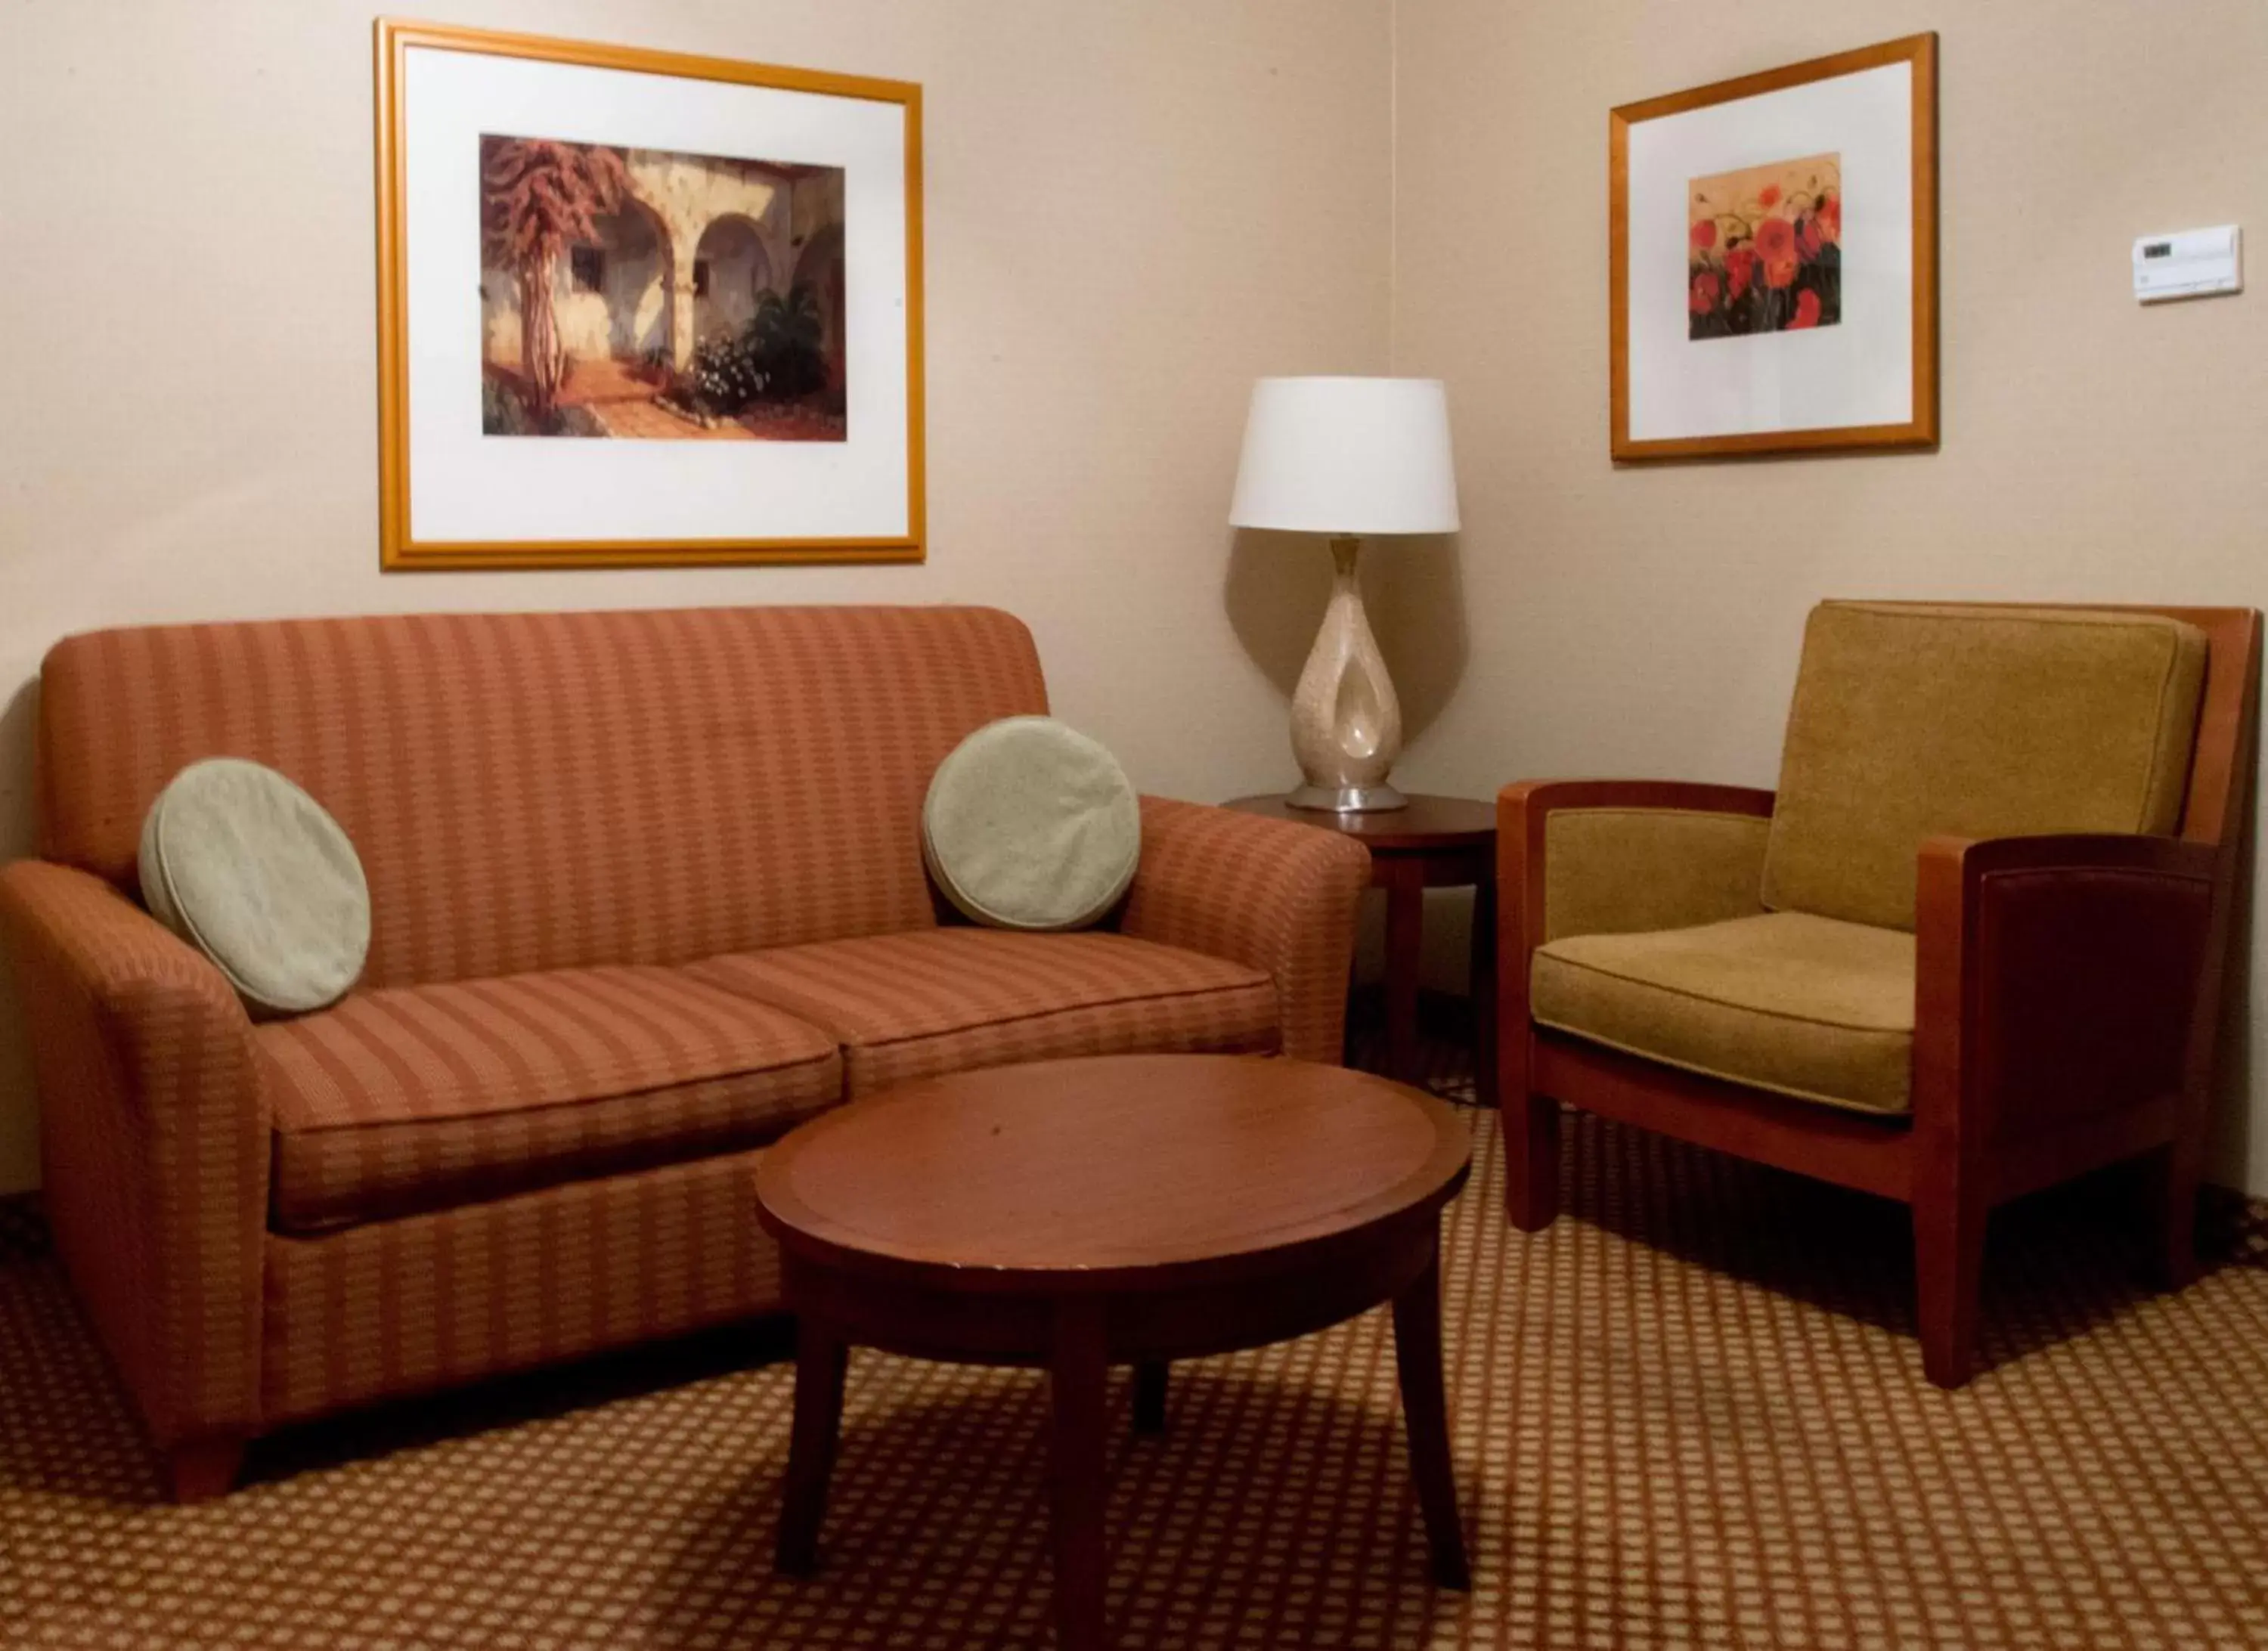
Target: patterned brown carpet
[(1690, 1415)]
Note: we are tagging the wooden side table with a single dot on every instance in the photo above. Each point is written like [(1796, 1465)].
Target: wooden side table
[(1434, 842)]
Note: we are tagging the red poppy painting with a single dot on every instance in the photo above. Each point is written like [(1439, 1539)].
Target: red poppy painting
[(1726, 221), (1763, 249)]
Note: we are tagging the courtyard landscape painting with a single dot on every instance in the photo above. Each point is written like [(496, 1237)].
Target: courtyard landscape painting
[(648, 293), (1763, 249)]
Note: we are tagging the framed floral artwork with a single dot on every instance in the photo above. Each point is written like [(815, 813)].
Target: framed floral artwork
[(1772, 247), (639, 308)]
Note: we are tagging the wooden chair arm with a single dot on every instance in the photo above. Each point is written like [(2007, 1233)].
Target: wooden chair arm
[(1541, 796), (2057, 988)]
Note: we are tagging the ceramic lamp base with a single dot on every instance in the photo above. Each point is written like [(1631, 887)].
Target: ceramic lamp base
[(1348, 799), (1346, 724)]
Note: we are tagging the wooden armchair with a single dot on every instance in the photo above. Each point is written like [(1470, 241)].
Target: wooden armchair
[(1974, 945)]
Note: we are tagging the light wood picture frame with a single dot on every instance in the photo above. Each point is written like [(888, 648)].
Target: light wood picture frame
[(717, 264), (1752, 310)]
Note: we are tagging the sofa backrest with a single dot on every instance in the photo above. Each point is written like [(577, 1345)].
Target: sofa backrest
[(546, 791), (1913, 719)]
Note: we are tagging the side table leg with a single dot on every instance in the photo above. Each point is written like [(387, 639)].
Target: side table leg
[(1485, 1004), (1404, 881), (1425, 1412), (821, 1361), (1079, 1372), (1150, 1378)]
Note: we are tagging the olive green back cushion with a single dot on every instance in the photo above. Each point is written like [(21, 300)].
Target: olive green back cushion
[(1030, 824), (1911, 722), (250, 870)]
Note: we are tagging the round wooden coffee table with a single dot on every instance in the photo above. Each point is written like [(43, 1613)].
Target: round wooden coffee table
[(1133, 1209)]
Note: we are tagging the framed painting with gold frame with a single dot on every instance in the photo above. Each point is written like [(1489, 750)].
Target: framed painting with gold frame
[(638, 307), (1772, 248)]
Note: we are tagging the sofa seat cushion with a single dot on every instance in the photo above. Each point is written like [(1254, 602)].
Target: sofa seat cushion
[(424, 1097), (914, 1005), (1806, 1005)]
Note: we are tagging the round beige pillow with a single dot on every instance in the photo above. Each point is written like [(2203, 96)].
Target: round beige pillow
[(1029, 824), (250, 870)]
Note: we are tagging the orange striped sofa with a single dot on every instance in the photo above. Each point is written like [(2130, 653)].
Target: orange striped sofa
[(646, 890)]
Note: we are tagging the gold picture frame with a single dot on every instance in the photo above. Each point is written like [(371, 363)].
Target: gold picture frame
[(1716, 284), (902, 539)]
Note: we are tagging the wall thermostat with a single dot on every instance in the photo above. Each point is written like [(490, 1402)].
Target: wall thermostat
[(2188, 265)]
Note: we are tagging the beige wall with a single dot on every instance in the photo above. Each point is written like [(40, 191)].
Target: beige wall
[(1133, 212), (1645, 620)]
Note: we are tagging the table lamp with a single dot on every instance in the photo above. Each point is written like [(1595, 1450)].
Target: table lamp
[(1347, 457)]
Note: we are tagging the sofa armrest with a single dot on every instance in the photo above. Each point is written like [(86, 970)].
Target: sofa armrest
[(1270, 894), (2062, 984), (154, 1139), (1612, 857)]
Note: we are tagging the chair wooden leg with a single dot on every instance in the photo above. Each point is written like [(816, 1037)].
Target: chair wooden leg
[(1531, 1159), (1948, 1271), (2174, 1175), (199, 1470)]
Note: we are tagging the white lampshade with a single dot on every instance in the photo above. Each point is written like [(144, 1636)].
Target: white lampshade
[(1350, 456)]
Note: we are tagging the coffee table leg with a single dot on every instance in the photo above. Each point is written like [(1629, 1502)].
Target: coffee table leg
[(1150, 1396), (1078, 1372), (1425, 1411), (821, 1363)]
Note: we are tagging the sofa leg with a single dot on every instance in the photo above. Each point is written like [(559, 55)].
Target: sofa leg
[(1948, 1274), (2173, 1187), (1531, 1159), (199, 1470)]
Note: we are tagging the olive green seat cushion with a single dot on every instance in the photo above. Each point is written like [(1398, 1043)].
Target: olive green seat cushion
[(1804, 1006), (253, 871), (1910, 721), (1030, 824)]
